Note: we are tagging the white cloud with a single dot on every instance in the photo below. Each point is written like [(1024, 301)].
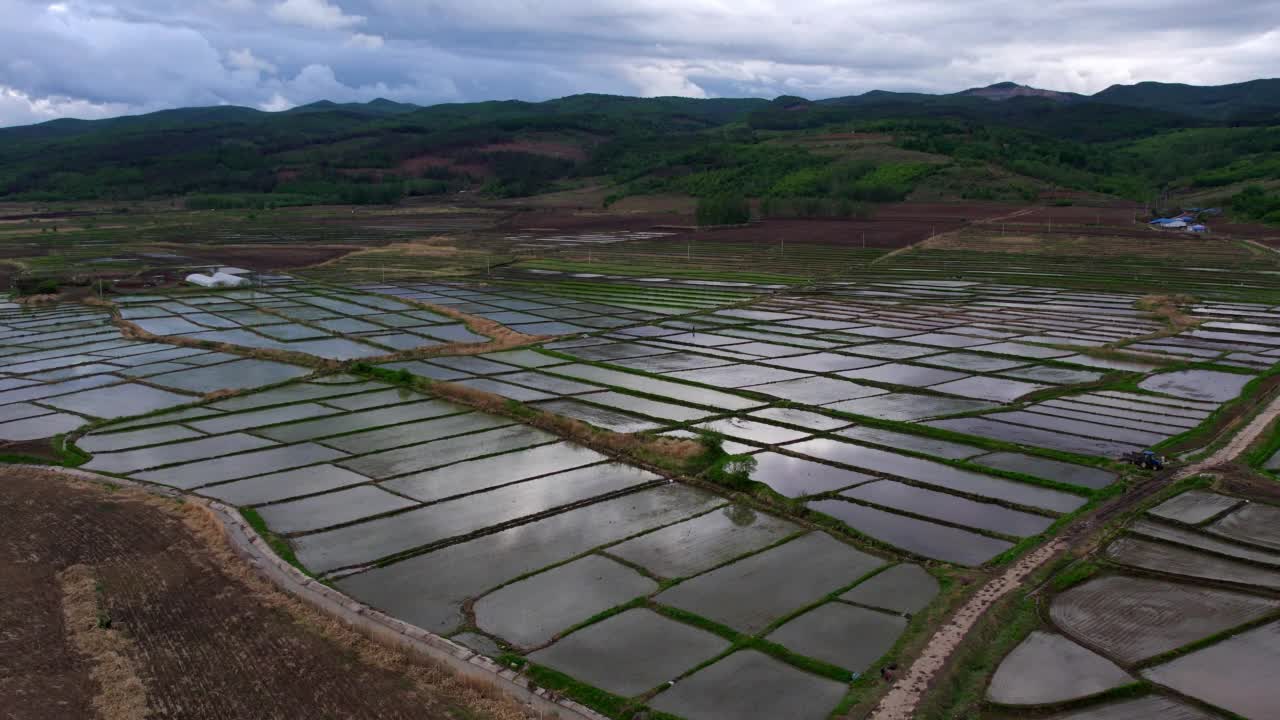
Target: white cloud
[(19, 108), (364, 42), (244, 59), (109, 56), (315, 14), (661, 79), (277, 103)]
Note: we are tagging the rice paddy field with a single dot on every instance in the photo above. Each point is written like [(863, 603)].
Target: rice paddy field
[(877, 432), (1178, 617)]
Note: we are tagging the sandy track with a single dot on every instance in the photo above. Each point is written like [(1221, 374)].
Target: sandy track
[(901, 701), (1239, 443)]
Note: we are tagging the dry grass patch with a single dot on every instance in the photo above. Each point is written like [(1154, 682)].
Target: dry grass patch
[(385, 259), (43, 299), (121, 694), (1169, 309), (665, 452), (985, 241), (501, 337)]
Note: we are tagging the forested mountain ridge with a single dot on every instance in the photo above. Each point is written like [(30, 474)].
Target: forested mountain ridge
[(1131, 141)]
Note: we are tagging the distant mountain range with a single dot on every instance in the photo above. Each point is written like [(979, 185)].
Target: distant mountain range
[(515, 147), (1254, 100)]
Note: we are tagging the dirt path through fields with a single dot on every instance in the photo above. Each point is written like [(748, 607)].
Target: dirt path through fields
[(1001, 218), (1239, 443), (902, 700)]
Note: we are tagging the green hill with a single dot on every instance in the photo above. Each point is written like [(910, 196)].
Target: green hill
[(1253, 102), (1134, 141)]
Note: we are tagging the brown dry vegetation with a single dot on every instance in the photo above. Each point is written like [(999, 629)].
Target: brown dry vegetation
[(42, 299), (260, 257), (133, 332), (121, 694), (650, 450), (193, 632), (501, 336), (1168, 309), (386, 260)]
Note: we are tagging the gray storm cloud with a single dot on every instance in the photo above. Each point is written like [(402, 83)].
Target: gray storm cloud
[(94, 58)]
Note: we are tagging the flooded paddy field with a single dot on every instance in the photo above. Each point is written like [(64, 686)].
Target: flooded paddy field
[(876, 441), (1170, 610)]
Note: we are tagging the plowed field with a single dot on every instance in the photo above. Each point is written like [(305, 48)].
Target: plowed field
[(179, 617)]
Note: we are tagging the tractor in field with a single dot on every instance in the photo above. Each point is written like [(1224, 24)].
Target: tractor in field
[(1145, 459)]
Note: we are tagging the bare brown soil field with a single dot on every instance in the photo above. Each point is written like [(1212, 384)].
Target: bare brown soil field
[(1030, 225), (549, 148), (1085, 242), (876, 233), (419, 163), (894, 226), (562, 220), (1237, 478), (267, 257), (1084, 197), (42, 448), (589, 197), (938, 211), (1120, 216), (671, 204), (1265, 234), (48, 215), (463, 159), (181, 617)]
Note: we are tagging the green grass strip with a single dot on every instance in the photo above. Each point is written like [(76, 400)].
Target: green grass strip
[(278, 545)]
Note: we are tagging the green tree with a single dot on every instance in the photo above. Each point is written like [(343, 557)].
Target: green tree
[(723, 210)]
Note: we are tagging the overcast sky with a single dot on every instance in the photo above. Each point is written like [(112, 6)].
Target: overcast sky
[(98, 58)]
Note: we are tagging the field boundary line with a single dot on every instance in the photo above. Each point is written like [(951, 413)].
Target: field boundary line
[(1009, 216), (919, 243), (378, 626), (1260, 246)]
